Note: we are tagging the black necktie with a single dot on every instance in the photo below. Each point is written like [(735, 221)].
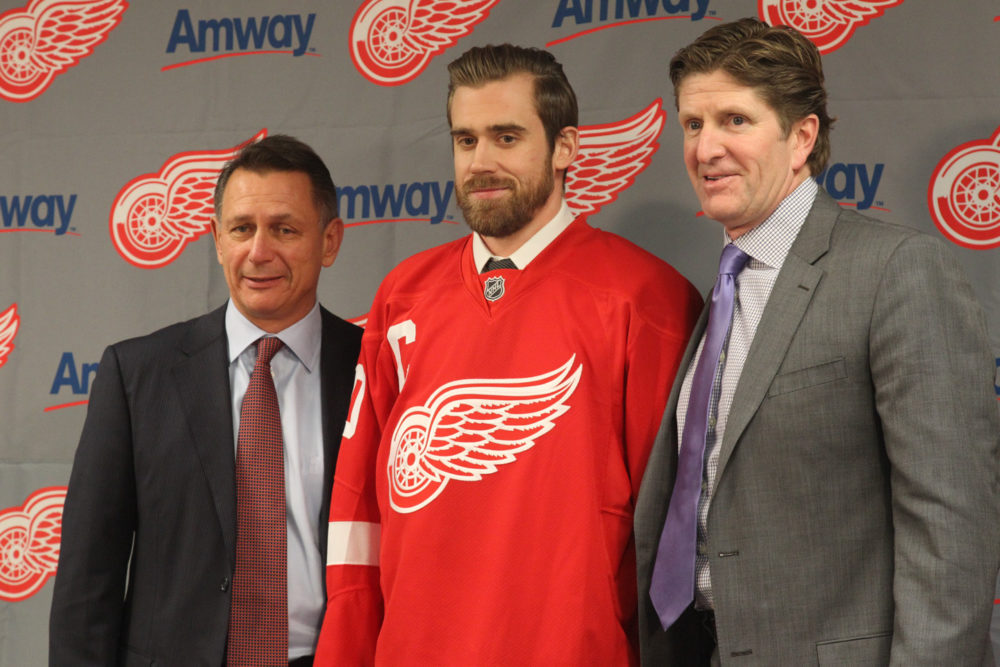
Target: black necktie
[(494, 264)]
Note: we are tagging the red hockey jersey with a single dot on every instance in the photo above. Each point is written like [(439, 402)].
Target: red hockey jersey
[(482, 505)]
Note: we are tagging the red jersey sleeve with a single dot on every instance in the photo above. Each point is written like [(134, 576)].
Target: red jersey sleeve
[(354, 600)]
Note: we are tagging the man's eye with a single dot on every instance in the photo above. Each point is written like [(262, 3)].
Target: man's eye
[(739, 120)]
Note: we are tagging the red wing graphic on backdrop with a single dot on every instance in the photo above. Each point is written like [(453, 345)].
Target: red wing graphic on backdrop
[(392, 41), (610, 158), (964, 194), (29, 543), (829, 24), (48, 37), (155, 216), (9, 321)]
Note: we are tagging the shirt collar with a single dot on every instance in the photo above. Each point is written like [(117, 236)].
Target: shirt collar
[(532, 247), (302, 338), (769, 242)]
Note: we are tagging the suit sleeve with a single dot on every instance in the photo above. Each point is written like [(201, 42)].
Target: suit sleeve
[(655, 348), (933, 377), (97, 527), (354, 599)]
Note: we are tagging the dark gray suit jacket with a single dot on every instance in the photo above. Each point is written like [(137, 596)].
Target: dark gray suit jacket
[(856, 516), (153, 494)]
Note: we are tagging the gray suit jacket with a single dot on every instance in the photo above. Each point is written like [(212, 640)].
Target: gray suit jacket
[(152, 496), (856, 515)]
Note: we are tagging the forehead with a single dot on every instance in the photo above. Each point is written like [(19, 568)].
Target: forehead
[(716, 88), (511, 99), (249, 190)]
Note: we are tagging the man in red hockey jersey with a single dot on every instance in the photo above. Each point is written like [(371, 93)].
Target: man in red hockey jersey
[(509, 388)]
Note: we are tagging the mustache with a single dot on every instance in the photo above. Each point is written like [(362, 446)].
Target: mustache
[(486, 183)]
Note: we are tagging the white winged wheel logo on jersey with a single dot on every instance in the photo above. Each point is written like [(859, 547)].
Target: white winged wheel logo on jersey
[(29, 543), (156, 215), (392, 41), (610, 158), (9, 321), (48, 37), (469, 428), (828, 24)]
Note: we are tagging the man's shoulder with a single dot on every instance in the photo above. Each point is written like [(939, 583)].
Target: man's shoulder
[(203, 329), (428, 266), (612, 260)]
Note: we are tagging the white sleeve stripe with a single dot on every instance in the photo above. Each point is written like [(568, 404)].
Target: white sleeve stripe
[(353, 543)]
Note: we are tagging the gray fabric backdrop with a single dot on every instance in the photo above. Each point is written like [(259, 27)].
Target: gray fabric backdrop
[(116, 115)]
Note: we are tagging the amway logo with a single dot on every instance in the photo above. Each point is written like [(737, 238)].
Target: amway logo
[(828, 24), (622, 12), (426, 201), (156, 215), (46, 38), (964, 194), (227, 37), (845, 182), (76, 380), (36, 213)]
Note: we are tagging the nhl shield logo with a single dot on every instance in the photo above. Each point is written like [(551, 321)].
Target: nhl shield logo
[(493, 289)]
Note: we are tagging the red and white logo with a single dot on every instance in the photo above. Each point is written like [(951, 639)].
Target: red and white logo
[(828, 24), (9, 321), (156, 215), (964, 194), (610, 158), (470, 427), (392, 41), (29, 543), (48, 37)]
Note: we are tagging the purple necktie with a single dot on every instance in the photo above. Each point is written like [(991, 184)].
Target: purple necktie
[(672, 585)]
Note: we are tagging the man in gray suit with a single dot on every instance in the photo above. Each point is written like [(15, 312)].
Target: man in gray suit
[(845, 509)]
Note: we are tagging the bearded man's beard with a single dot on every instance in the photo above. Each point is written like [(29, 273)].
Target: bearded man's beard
[(506, 215)]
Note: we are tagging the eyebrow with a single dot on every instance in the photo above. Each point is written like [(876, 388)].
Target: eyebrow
[(499, 128)]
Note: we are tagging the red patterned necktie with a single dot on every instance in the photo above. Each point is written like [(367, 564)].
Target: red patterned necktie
[(258, 618)]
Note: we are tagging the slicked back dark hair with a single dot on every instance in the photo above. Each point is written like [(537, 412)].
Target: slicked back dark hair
[(280, 152), (778, 62), (555, 101)]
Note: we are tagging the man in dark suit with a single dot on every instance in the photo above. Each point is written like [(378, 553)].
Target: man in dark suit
[(158, 518), (844, 503)]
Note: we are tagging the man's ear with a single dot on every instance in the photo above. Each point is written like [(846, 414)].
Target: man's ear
[(567, 145)]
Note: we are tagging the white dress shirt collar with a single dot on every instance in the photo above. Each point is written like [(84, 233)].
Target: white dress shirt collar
[(532, 247)]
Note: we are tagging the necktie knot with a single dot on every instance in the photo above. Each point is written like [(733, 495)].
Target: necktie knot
[(493, 264), (267, 347), (733, 260)]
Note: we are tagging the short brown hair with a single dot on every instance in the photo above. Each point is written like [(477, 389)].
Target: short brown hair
[(778, 62), (280, 152), (555, 101)]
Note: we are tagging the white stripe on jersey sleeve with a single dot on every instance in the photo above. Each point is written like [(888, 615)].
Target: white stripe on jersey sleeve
[(353, 543)]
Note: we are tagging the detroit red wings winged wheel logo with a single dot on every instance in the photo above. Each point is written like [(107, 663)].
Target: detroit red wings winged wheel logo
[(610, 157), (828, 24), (9, 322), (156, 215), (964, 194), (29, 543), (392, 41), (48, 37), (469, 428)]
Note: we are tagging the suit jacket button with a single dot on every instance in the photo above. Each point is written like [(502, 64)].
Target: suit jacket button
[(225, 585)]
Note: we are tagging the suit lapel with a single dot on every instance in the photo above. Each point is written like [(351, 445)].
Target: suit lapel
[(202, 380), (793, 291)]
